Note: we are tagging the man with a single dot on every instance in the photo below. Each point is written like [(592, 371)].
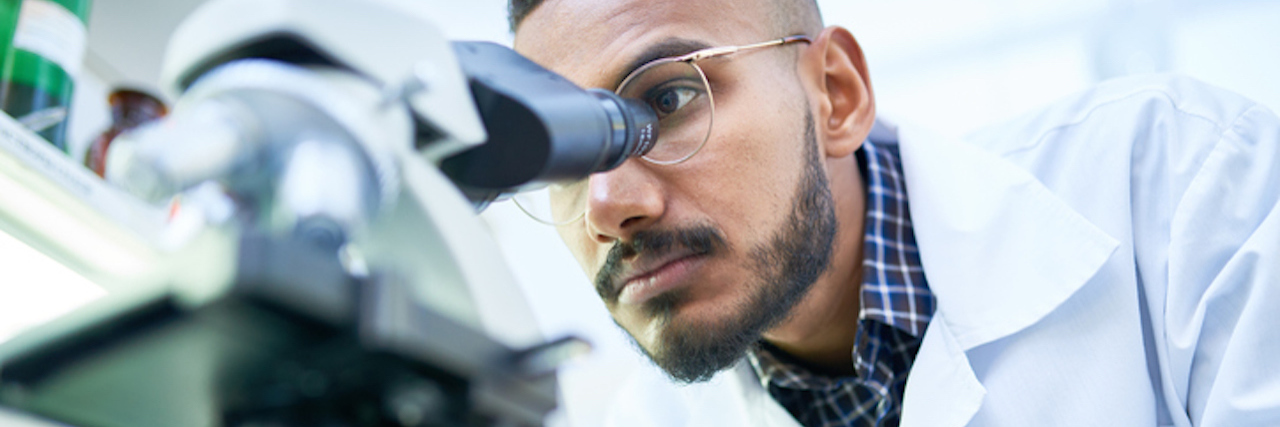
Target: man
[(1109, 261)]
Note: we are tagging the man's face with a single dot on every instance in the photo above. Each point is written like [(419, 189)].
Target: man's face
[(696, 260)]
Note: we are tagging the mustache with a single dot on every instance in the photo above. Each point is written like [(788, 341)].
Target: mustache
[(700, 239)]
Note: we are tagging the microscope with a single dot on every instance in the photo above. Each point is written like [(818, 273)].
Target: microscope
[(303, 229)]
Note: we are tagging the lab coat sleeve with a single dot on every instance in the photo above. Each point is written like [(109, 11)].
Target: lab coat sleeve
[(1222, 308)]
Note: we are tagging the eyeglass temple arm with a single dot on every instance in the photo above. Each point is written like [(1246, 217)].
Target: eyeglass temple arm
[(721, 51)]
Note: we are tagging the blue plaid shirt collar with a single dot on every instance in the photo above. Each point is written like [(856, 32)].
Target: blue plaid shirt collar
[(894, 291), (895, 308)]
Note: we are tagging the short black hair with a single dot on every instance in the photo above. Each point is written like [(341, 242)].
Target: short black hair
[(517, 10), (807, 19)]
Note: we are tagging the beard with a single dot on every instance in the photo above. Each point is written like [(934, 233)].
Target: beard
[(785, 268)]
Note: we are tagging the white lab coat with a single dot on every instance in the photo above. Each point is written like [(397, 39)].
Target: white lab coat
[(1111, 261)]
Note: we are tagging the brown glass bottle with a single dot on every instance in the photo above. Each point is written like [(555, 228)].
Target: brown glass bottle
[(129, 109)]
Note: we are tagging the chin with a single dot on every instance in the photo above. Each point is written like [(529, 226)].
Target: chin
[(693, 340)]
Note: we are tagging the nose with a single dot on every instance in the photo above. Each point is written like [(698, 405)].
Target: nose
[(623, 201)]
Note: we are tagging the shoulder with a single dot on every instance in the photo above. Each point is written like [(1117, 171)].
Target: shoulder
[(1136, 140), (1123, 112), (1166, 161)]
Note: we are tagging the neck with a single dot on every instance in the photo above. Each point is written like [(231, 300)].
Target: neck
[(821, 327)]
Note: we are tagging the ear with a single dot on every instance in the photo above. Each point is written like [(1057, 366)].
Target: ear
[(834, 74)]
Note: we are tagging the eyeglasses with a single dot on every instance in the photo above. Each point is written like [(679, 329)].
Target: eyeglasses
[(679, 93)]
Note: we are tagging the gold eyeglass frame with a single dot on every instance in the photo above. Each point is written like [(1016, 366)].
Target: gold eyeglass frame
[(692, 59)]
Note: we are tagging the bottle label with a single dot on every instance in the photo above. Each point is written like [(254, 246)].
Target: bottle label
[(50, 30)]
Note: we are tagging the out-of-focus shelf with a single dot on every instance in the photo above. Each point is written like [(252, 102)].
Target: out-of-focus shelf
[(61, 209)]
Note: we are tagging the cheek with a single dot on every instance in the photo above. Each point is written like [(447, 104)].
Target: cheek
[(575, 238), (745, 179)]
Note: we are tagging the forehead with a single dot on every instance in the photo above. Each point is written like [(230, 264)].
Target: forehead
[(595, 42)]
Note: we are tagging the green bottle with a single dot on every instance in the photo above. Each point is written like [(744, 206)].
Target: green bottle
[(8, 22), (38, 77)]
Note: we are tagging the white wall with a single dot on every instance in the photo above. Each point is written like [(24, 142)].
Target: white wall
[(959, 65)]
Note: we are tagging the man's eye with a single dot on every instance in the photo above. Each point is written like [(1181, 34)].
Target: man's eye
[(670, 100)]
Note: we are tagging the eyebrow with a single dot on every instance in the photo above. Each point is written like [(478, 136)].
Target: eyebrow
[(664, 49)]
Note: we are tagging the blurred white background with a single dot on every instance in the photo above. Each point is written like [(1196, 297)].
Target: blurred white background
[(950, 65)]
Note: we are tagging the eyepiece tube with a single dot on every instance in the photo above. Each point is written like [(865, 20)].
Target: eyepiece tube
[(541, 127), (634, 125)]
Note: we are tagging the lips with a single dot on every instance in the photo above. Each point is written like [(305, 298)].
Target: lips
[(650, 277), (654, 261)]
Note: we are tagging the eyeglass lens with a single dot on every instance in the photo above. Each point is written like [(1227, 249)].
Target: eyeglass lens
[(679, 94)]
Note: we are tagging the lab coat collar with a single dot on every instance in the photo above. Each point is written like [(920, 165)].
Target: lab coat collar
[(1000, 252)]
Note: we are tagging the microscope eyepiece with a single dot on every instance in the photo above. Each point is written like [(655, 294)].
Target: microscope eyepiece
[(634, 127), (541, 127)]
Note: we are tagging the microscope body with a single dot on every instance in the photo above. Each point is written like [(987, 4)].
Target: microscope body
[(336, 274)]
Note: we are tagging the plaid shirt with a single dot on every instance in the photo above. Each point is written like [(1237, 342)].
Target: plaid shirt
[(896, 305)]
